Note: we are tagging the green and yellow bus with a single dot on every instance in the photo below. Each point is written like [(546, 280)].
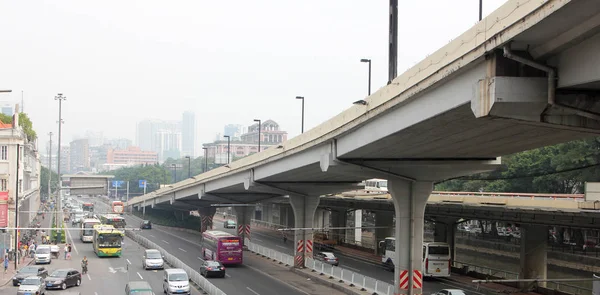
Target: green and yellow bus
[(107, 241)]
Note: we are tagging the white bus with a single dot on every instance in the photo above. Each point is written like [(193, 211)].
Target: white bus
[(376, 185), (87, 229), (436, 257)]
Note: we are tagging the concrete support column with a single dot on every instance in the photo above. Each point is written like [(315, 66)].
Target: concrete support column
[(244, 218), (338, 219), (266, 212), (321, 218), (207, 214), (144, 209), (357, 227), (534, 241), (304, 213), (383, 218), (409, 199), (445, 231)]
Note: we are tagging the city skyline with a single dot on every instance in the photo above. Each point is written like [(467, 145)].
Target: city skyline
[(304, 60)]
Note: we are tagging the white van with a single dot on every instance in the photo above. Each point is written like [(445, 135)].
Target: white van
[(42, 254), (176, 281), (436, 259)]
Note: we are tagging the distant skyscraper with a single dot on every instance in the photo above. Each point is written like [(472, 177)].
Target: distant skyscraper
[(233, 130), (7, 108), (80, 155), (159, 136), (94, 138), (188, 134)]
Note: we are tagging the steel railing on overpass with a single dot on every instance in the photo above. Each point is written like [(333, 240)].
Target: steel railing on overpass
[(195, 276), (349, 277)]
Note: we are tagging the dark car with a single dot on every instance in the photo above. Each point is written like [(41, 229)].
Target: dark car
[(63, 278), (212, 268), (28, 271), (229, 224), (146, 224)]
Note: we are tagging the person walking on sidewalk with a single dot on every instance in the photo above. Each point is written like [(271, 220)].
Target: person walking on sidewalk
[(66, 249), (69, 253), (5, 263)]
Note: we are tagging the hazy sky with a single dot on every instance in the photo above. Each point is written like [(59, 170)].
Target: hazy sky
[(119, 62)]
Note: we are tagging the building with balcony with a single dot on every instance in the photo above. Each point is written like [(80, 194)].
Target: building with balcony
[(131, 156), (18, 186), (248, 144)]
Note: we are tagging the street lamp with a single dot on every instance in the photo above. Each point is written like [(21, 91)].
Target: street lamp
[(5, 91), (256, 120), (369, 62), (189, 166), (205, 159), (228, 146), (60, 99), (302, 98), (174, 166), (480, 9)]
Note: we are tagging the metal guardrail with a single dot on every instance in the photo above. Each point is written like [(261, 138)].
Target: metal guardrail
[(195, 276), (343, 275)]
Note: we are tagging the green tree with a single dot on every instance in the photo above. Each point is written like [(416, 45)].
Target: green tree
[(45, 172), (27, 126), (6, 119)]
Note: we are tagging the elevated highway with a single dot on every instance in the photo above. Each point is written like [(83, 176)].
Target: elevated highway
[(524, 77)]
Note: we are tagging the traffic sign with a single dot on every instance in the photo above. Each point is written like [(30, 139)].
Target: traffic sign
[(117, 183), (142, 183)]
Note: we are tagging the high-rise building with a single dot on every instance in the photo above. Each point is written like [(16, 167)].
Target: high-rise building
[(162, 137), (233, 130), (98, 156), (95, 138), (65, 159), (80, 155), (188, 134), (119, 143)]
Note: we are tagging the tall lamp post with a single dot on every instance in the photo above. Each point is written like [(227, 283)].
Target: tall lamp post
[(17, 208), (205, 159), (189, 166), (60, 99), (50, 166), (256, 120), (369, 62), (302, 98), (480, 9), (228, 146)]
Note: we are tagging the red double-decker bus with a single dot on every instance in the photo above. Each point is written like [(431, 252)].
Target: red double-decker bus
[(221, 246)]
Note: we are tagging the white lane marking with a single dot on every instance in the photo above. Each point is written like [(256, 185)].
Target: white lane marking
[(89, 278), (182, 250), (200, 258), (152, 236), (351, 268), (165, 241), (252, 291), (139, 275), (257, 240), (227, 275), (282, 247), (128, 261)]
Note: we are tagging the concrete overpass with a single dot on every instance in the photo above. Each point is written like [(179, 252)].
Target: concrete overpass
[(524, 77)]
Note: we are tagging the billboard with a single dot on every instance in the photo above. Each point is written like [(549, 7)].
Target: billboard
[(3, 209)]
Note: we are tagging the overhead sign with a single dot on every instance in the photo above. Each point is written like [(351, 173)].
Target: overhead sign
[(117, 183), (142, 183), (3, 209)]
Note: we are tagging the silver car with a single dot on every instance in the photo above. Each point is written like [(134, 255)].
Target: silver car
[(152, 259), (32, 285), (327, 257)]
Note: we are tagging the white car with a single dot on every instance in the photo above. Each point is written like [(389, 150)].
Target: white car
[(450, 292), (43, 254)]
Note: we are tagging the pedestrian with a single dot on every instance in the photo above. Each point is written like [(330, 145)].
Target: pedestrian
[(66, 249), (69, 253), (5, 263)]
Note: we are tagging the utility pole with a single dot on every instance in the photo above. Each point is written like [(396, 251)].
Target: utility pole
[(60, 99), (50, 166)]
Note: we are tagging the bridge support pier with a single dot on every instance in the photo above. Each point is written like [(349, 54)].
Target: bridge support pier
[(304, 214), (409, 199), (383, 218), (207, 214), (322, 218), (267, 214), (244, 218), (534, 241), (338, 219), (445, 231)]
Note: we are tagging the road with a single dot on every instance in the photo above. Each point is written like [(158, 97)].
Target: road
[(110, 275), (243, 279), (356, 265)]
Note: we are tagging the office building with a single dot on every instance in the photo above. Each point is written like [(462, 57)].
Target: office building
[(188, 134), (162, 137), (131, 156), (79, 155)]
